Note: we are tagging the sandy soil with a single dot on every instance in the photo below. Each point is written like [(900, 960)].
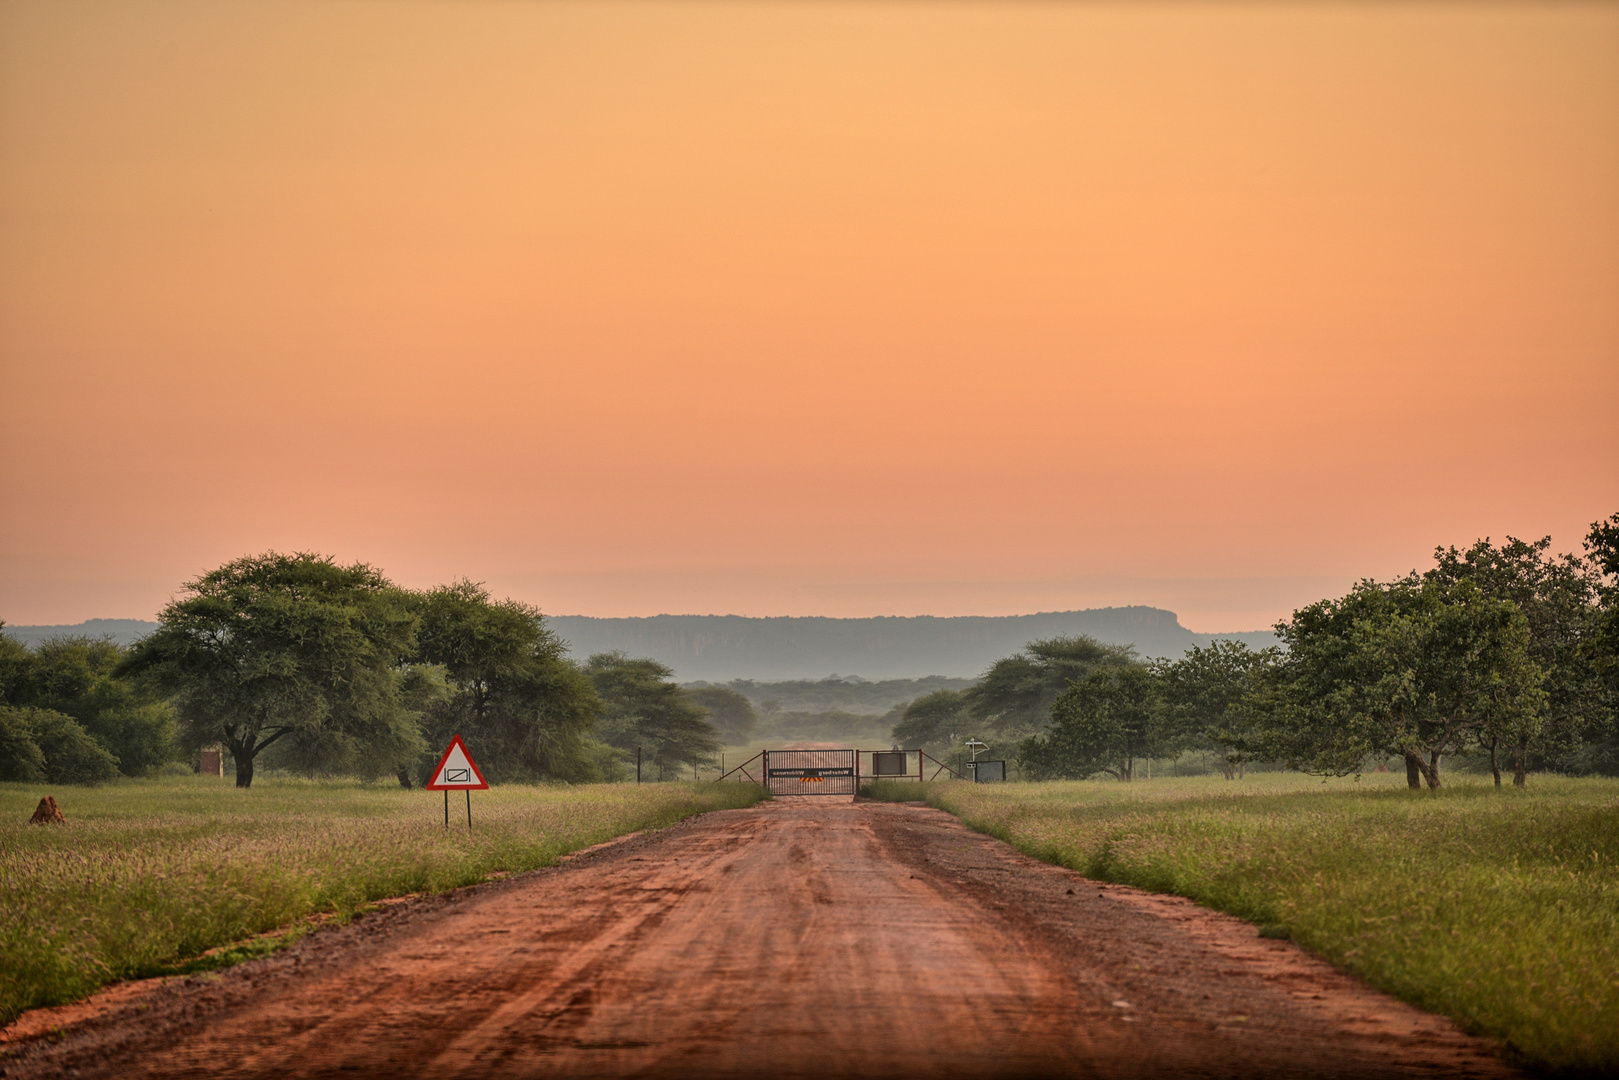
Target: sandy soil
[(801, 938)]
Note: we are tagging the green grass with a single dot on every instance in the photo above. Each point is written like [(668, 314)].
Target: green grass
[(147, 876), (1497, 908)]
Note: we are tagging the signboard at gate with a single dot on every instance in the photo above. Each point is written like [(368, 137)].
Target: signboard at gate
[(457, 771), (810, 772)]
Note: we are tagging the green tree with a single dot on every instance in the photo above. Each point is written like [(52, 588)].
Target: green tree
[(1413, 667), (525, 711), (75, 676), (1599, 652), (1557, 596), (1204, 692), (1014, 698), (1105, 723), (64, 753), (273, 645), (732, 715), (21, 759), (644, 708), (934, 721)]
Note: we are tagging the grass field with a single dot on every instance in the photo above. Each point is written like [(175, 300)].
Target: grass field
[(1497, 908), (148, 875)]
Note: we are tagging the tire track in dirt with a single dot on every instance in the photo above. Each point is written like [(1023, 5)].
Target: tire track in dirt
[(798, 938)]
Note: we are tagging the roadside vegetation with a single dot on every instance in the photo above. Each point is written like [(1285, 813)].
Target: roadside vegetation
[(1498, 908), (1508, 654), (148, 875)]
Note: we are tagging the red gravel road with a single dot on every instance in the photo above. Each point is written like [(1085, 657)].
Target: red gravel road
[(800, 938)]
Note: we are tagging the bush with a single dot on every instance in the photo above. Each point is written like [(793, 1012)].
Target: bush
[(70, 755), (20, 756)]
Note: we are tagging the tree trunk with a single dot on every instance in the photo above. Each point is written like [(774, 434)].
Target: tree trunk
[(1413, 770), (1433, 772), (404, 777), (244, 769), (1495, 765), (1520, 763)]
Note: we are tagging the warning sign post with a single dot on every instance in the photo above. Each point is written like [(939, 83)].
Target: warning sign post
[(457, 772)]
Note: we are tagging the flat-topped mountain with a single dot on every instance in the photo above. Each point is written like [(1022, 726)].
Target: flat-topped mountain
[(723, 647)]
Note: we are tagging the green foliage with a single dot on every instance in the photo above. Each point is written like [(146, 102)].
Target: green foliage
[(525, 712), (732, 714), (1013, 700), (1555, 595), (1416, 667), (1600, 649), (21, 759), (75, 676), (644, 708), (62, 751), (934, 722), (275, 645), (147, 875), (1106, 723), (1497, 908), (1204, 693)]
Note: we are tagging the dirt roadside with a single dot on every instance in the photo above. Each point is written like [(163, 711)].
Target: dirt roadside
[(798, 938)]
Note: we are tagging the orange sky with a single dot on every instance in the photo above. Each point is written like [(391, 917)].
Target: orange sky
[(814, 308)]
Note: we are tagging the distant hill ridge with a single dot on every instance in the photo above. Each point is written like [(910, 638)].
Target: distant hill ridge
[(722, 647), (719, 648)]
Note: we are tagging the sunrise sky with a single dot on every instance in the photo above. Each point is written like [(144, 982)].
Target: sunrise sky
[(833, 308)]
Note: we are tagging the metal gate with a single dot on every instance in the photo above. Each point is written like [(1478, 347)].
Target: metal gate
[(810, 772)]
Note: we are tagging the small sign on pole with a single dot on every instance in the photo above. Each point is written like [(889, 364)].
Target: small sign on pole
[(457, 772)]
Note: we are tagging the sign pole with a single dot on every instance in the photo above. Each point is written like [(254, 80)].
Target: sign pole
[(469, 806), (446, 808), (637, 764)]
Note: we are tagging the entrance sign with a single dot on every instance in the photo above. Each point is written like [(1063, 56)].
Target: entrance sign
[(456, 770)]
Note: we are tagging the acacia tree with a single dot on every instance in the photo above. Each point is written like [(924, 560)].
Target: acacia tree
[(732, 714), (933, 721), (1015, 696), (1105, 723), (1413, 667), (645, 708), (273, 645), (525, 711)]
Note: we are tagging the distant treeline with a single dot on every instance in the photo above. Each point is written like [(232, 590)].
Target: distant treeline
[(1508, 653)]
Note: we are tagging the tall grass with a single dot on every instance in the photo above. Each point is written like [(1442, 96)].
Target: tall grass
[(147, 872), (1499, 908)]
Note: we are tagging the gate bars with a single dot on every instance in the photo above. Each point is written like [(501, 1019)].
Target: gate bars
[(788, 770)]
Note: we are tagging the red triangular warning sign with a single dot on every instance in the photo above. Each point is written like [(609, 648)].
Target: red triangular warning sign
[(456, 770)]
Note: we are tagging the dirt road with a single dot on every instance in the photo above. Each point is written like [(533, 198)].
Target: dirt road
[(801, 938)]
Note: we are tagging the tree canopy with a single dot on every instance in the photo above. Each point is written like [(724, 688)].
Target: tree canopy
[(732, 714), (645, 708), (274, 645), (503, 681), (1013, 700)]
